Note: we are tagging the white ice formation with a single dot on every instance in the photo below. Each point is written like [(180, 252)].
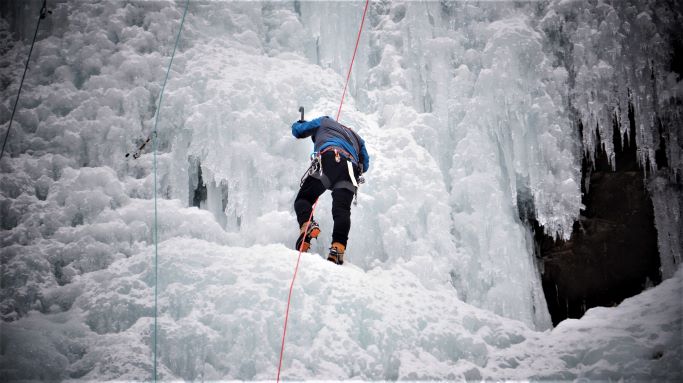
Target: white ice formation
[(468, 110)]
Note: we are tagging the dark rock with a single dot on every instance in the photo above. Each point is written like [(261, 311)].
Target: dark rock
[(612, 253)]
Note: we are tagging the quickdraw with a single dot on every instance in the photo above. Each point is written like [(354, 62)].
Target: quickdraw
[(316, 167), (138, 152)]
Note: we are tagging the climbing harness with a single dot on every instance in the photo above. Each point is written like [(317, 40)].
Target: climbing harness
[(349, 167), (361, 180), (337, 153), (296, 268), (43, 14), (315, 170)]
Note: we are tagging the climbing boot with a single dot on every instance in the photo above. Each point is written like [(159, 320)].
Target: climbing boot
[(307, 235), (336, 253)]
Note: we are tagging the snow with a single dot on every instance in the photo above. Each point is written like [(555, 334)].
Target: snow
[(466, 114), (220, 317)]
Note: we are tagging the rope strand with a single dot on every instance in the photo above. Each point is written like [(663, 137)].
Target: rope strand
[(291, 287), (348, 74), (296, 268), (156, 225), (43, 13)]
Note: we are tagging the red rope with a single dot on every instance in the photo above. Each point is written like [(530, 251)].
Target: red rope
[(348, 75), (296, 268), (289, 297)]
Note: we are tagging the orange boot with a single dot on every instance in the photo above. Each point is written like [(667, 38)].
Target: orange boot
[(306, 236), (336, 253)]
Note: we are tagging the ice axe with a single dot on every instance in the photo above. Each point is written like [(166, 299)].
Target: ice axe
[(301, 110)]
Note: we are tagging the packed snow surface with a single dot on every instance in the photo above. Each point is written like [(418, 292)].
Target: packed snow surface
[(221, 313), (464, 109)]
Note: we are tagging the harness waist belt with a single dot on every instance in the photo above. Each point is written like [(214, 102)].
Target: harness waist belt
[(338, 150)]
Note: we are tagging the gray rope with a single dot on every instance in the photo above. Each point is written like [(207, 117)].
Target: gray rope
[(43, 14)]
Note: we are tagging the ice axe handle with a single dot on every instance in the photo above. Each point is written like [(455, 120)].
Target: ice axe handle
[(301, 110)]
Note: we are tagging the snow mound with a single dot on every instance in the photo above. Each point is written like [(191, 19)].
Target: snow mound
[(220, 316)]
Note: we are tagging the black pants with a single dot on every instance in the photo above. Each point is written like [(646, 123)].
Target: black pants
[(313, 188)]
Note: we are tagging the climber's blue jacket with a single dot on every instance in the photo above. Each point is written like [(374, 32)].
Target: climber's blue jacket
[(326, 132)]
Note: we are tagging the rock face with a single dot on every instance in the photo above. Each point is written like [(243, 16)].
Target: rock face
[(613, 251)]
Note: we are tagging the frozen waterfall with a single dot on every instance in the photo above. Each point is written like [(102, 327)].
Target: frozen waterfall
[(472, 112)]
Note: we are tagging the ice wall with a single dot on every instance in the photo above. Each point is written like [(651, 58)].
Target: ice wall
[(619, 56), (474, 90), (463, 107), (442, 174)]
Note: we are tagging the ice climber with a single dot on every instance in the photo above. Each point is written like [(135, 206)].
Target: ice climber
[(338, 162)]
